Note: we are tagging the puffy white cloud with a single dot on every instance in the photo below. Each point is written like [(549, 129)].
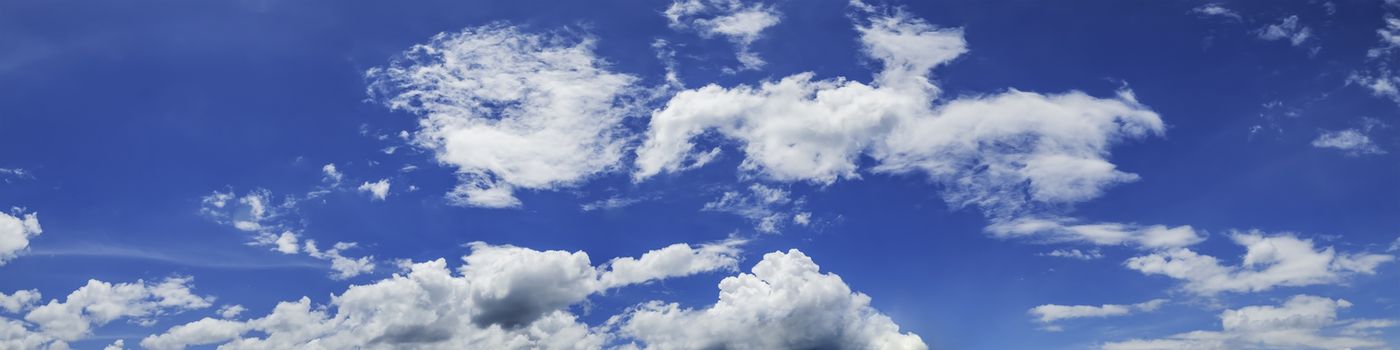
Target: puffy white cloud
[(19, 301), (510, 110), (769, 208), (95, 304), (740, 23), (273, 225), (1050, 313), (674, 260), (503, 297), (1352, 141), (118, 344), (1302, 322), (379, 190), (786, 303), (1270, 261), (16, 229), (1287, 29), (1217, 10), (231, 311), (344, 267), (998, 151), (1056, 229)]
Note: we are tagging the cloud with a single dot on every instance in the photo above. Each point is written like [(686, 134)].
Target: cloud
[(1270, 261), (272, 225), (1075, 254), (231, 311), (610, 203), (1218, 11), (1302, 322), (378, 190), (1056, 229), (786, 303), (1287, 29), (1378, 77), (769, 208), (510, 110), (18, 301), (503, 297), (1352, 141), (331, 175), (16, 229), (1049, 313), (95, 304), (737, 22), (1000, 152)]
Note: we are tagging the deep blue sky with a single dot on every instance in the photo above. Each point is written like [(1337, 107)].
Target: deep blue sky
[(127, 113)]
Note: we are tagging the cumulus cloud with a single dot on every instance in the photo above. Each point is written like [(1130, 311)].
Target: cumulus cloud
[(740, 23), (271, 224), (1049, 313), (231, 311), (1270, 261), (1055, 229), (510, 110), (769, 208), (1218, 11), (378, 190), (16, 229), (503, 297), (1288, 30), (18, 301), (95, 304), (1302, 322), (999, 152), (1352, 141), (785, 303)]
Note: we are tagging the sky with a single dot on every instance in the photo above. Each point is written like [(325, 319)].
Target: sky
[(700, 174)]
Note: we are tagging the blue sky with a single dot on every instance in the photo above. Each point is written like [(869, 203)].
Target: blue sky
[(655, 174)]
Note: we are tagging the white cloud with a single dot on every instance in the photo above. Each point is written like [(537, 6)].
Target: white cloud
[(674, 260), (786, 303), (1270, 261), (1287, 29), (1302, 322), (769, 208), (18, 301), (231, 311), (1075, 254), (271, 225), (1050, 313), (344, 267), (331, 175), (16, 229), (1056, 229), (510, 110), (610, 203), (504, 297), (1351, 141), (379, 190), (737, 22), (118, 344), (1378, 78), (1217, 10), (999, 152), (95, 304)]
